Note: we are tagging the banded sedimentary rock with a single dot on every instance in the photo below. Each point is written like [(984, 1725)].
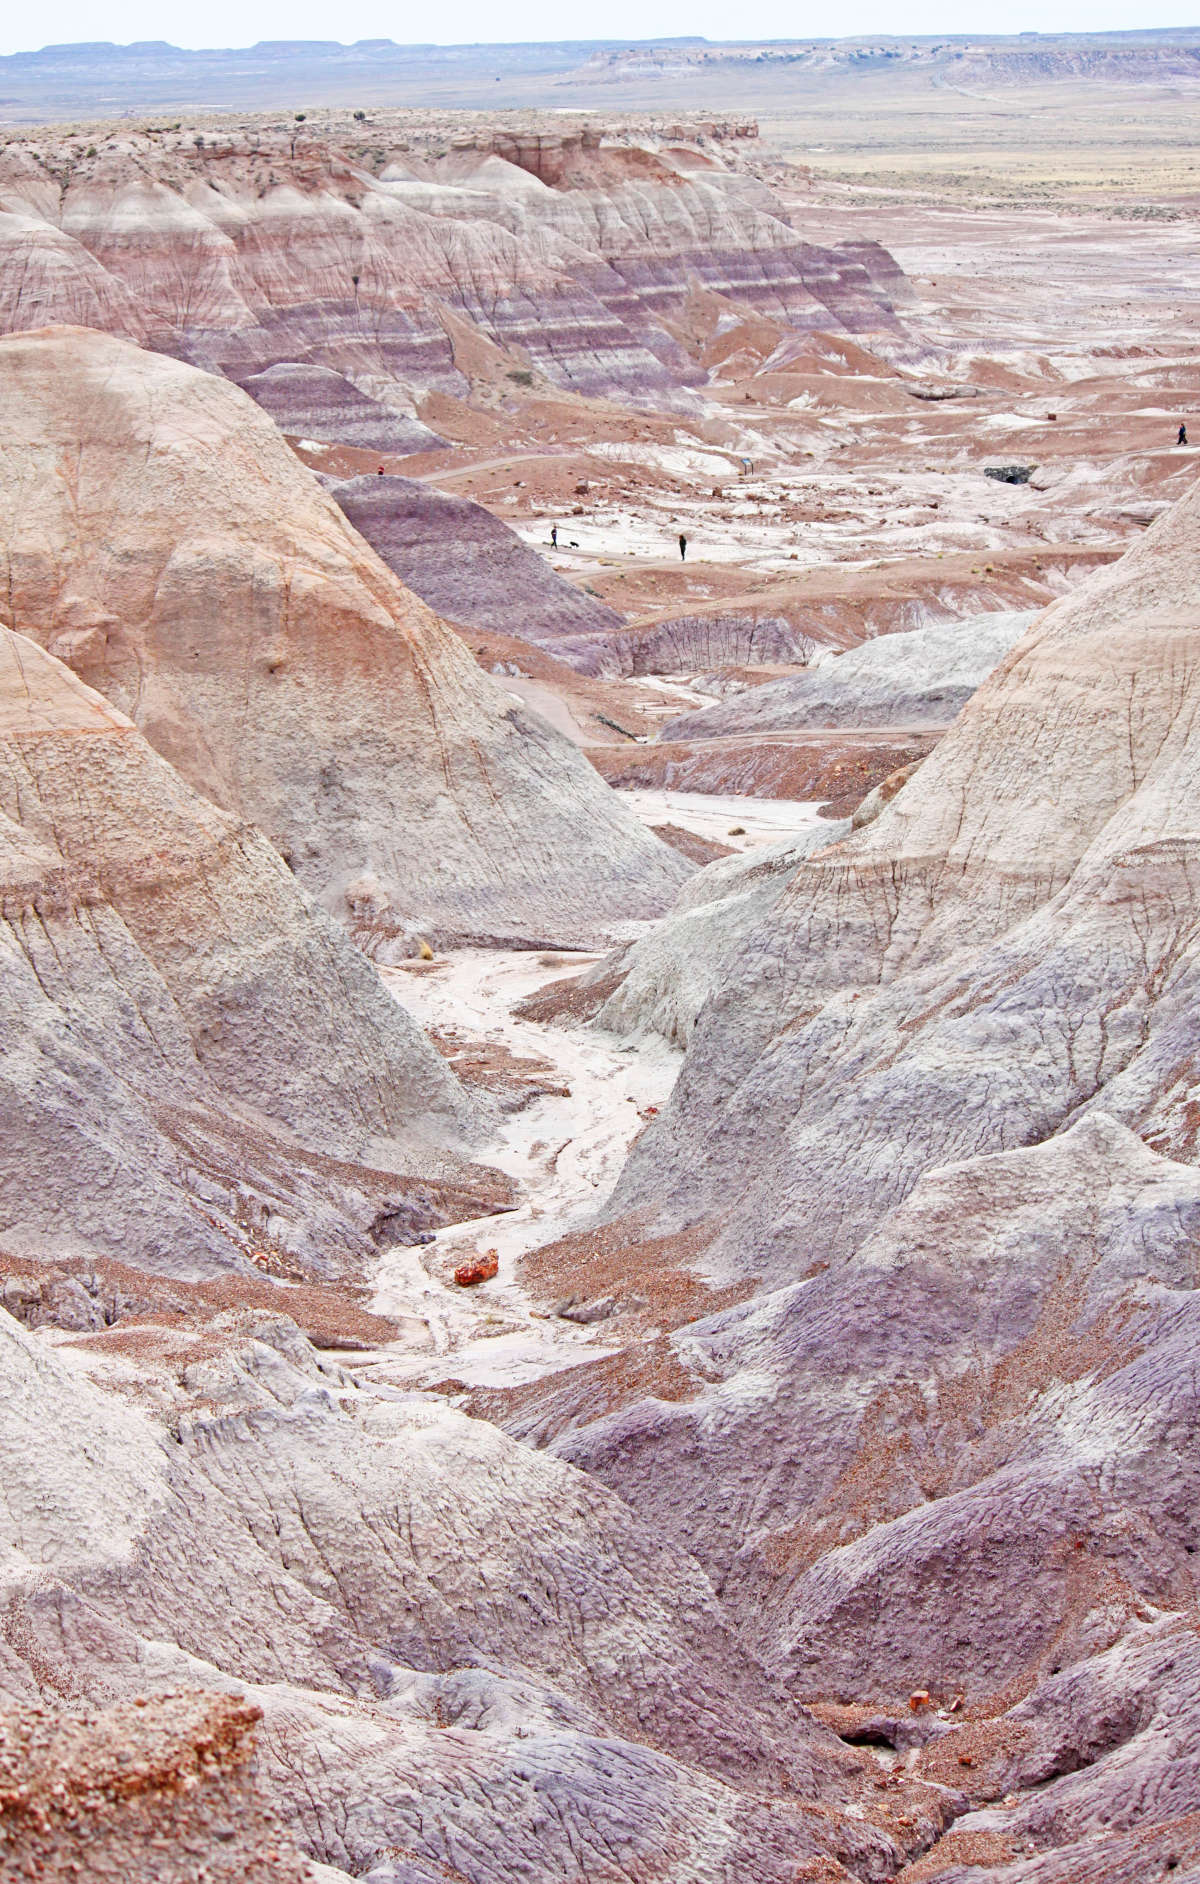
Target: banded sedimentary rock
[(157, 535), (471, 567), (315, 403), (667, 975), (688, 644), (199, 1070), (255, 247)]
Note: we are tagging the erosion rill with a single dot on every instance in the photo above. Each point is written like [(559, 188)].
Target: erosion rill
[(556, 1334)]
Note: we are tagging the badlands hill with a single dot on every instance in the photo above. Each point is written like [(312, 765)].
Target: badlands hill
[(158, 536), (937, 1127), (179, 1090), (473, 1662), (470, 567), (924, 674), (1018, 920), (821, 1509)]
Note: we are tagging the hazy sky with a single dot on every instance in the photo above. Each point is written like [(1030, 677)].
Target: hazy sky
[(241, 22)]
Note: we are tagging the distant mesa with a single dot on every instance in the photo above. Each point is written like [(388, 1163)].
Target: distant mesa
[(261, 249)]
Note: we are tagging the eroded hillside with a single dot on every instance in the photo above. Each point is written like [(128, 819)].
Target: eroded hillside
[(553, 1334)]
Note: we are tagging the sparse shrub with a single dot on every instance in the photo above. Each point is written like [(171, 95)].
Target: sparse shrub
[(301, 116), (522, 375)]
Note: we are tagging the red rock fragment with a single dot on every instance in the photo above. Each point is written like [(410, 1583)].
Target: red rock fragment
[(481, 1270)]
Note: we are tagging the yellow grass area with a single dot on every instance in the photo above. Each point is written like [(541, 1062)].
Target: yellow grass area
[(1093, 143)]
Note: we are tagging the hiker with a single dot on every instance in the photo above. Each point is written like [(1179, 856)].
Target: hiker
[(379, 473), (682, 547), (554, 536), (1182, 439)]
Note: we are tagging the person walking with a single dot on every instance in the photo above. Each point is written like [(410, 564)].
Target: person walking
[(1182, 439), (554, 536), (682, 547)]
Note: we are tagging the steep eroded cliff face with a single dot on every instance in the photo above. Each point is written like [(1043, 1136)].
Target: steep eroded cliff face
[(573, 251)]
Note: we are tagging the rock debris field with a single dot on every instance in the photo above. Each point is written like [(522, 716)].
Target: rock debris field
[(599, 1191)]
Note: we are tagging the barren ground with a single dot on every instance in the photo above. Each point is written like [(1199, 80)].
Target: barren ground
[(836, 487), (839, 486), (569, 1102)]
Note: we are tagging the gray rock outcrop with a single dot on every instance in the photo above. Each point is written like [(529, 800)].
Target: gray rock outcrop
[(667, 975), (951, 1473), (471, 1659), (923, 675)]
